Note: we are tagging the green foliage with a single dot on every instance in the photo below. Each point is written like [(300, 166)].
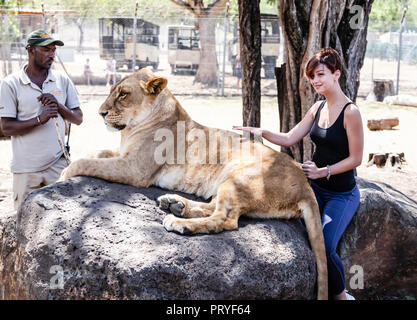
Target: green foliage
[(386, 14), (265, 6), (161, 10), (269, 6)]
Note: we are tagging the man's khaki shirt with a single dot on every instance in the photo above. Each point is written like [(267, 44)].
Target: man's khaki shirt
[(39, 148)]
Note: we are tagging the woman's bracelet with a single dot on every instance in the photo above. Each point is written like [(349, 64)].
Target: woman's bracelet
[(329, 172)]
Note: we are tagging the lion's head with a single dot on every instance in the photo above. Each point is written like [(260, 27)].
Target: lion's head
[(132, 99)]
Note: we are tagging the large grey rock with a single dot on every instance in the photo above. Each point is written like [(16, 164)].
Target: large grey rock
[(381, 241), (96, 240), (108, 241)]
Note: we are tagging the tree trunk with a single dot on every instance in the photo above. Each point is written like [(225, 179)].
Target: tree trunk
[(79, 22), (381, 88), (206, 23), (308, 26), (81, 39), (250, 57), (207, 69)]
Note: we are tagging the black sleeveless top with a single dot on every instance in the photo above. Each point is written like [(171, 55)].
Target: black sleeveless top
[(331, 147)]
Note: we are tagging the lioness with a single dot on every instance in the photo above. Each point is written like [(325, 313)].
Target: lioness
[(159, 143)]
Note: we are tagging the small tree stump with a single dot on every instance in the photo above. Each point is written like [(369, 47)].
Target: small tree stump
[(386, 159), (383, 124), (380, 89)]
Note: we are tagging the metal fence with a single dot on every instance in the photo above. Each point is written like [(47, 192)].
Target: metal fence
[(172, 47)]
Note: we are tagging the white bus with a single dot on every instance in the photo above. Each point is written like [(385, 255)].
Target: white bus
[(270, 44), (183, 48), (116, 40)]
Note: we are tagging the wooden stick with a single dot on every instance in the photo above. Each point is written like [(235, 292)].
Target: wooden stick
[(61, 143)]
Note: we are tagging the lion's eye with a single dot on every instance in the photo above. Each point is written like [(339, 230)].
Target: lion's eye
[(122, 95)]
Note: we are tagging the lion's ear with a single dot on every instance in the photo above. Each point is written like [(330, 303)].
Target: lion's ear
[(154, 86)]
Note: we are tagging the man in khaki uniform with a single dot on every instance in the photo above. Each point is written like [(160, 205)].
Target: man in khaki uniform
[(29, 99)]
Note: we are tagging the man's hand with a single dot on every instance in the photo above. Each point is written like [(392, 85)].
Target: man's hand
[(50, 107), (49, 111), (74, 115), (47, 98)]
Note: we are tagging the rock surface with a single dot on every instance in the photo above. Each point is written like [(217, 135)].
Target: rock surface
[(403, 99), (91, 239), (382, 241), (99, 240)]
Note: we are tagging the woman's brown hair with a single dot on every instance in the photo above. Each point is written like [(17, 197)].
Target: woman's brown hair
[(327, 56)]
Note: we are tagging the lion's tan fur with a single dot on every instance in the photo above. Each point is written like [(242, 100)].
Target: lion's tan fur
[(270, 185)]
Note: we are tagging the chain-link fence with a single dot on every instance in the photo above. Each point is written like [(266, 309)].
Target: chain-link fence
[(172, 47)]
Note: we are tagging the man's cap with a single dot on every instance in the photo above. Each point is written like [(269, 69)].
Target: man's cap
[(42, 38)]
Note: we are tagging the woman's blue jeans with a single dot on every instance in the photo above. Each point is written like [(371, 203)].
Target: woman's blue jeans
[(337, 210)]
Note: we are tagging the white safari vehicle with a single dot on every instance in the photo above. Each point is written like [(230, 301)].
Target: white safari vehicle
[(183, 48), (270, 44), (116, 41)]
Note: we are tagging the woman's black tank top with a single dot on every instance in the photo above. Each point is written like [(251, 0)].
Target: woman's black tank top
[(332, 146)]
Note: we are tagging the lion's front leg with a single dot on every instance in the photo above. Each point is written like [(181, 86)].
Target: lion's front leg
[(225, 215), (215, 223), (185, 208), (112, 169)]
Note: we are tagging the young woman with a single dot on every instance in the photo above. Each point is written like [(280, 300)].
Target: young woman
[(335, 127)]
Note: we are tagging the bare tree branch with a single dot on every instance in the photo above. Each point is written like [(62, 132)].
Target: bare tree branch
[(185, 5), (216, 7)]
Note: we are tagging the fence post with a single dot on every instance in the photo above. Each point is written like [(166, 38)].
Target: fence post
[(226, 20), (134, 38), (399, 49)]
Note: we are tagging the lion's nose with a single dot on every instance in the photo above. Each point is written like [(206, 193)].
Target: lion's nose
[(103, 114)]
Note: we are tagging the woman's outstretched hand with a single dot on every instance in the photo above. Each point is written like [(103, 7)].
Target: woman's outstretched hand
[(255, 131)]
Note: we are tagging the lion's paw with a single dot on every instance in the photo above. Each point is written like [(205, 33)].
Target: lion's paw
[(171, 203), (168, 222), (64, 175), (99, 154), (172, 223)]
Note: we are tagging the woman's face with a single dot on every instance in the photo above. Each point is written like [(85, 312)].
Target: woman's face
[(323, 79)]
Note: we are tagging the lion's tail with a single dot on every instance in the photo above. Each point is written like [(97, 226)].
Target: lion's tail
[(312, 220)]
